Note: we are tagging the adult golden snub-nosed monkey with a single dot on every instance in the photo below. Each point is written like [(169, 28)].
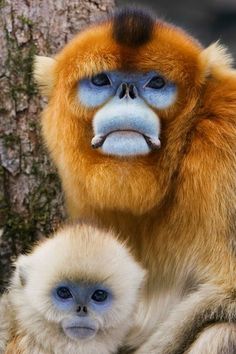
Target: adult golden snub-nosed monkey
[(141, 124)]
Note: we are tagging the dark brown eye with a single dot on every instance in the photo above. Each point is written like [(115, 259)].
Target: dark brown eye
[(64, 293), (100, 80), (157, 82), (100, 295)]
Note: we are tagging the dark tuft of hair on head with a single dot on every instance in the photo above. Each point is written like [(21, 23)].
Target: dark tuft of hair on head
[(132, 26)]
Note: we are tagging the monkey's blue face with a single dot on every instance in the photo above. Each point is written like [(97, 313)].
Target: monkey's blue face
[(126, 125), (80, 300)]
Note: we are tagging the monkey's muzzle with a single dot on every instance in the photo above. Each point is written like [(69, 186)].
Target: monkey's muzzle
[(126, 127), (132, 141)]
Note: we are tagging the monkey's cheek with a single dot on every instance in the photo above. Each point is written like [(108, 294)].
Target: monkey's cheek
[(125, 144), (80, 333)]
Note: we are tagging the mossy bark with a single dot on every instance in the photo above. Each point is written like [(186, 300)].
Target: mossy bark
[(31, 201)]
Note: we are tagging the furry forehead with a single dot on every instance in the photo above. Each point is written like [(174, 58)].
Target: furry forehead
[(131, 39), (82, 253)]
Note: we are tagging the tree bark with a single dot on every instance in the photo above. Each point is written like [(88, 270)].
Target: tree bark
[(31, 202)]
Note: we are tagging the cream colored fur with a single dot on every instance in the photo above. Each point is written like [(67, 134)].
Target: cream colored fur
[(43, 73), (169, 333), (74, 253), (215, 340), (217, 57), (6, 319)]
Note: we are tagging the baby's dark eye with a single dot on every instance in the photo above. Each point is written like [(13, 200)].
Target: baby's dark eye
[(64, 293), (100, 80), (100, 296), (157, 82)]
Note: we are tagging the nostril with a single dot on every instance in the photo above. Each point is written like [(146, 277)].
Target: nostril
[(123, 91), (85, 309), (132, 91), (79, 309)]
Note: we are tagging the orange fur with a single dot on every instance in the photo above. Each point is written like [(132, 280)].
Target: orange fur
[(176, 205), (13, 347)]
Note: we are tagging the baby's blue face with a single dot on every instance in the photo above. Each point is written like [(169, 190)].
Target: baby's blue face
[(68, 296), (125, 123), (80, 300)]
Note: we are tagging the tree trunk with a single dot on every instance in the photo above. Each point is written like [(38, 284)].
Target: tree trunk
[(31, 202)]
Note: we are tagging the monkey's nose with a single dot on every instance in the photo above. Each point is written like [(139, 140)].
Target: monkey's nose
[(127, 90), (82, 310)]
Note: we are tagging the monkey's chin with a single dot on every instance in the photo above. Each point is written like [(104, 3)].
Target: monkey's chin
[(80, 333)]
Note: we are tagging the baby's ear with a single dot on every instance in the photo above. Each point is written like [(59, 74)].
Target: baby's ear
[(44, 74), (21, 271)]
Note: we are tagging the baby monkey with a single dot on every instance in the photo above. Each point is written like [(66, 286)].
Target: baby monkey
[(75, 293)]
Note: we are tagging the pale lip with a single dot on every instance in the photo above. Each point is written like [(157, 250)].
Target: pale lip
[(80, 332), (152, 141)]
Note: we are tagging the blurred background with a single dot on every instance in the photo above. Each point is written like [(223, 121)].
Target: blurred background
[(208, 20)]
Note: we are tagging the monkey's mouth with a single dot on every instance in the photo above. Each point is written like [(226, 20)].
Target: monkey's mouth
[(125, 142), (80, 332)]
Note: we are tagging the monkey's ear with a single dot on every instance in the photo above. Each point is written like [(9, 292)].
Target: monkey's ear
[(216, 57), (21, 271), (44, 74)]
